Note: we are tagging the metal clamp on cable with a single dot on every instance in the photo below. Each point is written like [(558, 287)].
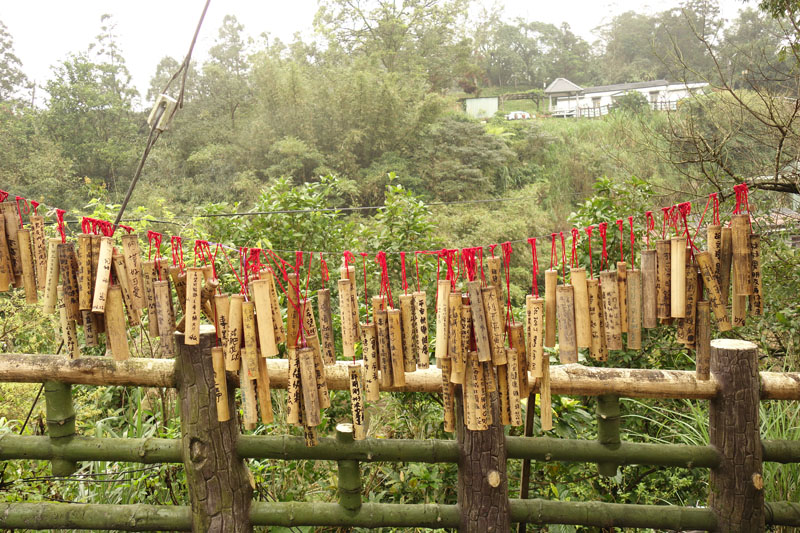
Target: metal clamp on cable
[(162, 112)]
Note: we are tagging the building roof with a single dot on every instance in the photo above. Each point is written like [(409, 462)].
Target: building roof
[(626, 86), (562, 85)]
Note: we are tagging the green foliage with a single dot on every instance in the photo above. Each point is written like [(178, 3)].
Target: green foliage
[(631, 102)]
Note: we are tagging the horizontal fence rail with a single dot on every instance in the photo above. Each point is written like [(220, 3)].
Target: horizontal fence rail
[(571, 379)]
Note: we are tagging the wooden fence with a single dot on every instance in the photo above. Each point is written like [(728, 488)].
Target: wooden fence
[(219, 485)]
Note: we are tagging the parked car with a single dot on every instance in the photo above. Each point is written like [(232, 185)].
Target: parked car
[(518, 115)]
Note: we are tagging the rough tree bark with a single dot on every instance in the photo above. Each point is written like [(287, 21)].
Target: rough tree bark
[(482, 480), (217, 478), (737, 496)]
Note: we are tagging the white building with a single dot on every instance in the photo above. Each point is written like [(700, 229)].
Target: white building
[(569, 100)]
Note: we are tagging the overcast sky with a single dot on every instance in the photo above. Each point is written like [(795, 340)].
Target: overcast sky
[(45, 31)]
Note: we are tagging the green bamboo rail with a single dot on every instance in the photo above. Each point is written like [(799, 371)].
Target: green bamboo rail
[(152, 450)]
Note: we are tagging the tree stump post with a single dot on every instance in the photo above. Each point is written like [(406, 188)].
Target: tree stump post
[(217, 478), (736, 486), (482, 480), (60, 422)]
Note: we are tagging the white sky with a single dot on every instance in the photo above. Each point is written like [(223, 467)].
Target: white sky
[(45, 31)]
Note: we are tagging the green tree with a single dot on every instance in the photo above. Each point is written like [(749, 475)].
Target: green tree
[(12, 78)]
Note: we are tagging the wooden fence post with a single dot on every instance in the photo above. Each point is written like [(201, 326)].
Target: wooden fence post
[(482, 480), (60, 422), (217, 478), (736, 486)]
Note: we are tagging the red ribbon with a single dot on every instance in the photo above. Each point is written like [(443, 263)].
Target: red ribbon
[(534, 268), (60, 218), (630, 221), (574, 259), (21, 211), (386, 290), (507, 250), (3, 195), (589, 230), (176, 245), (35, 205), (621, 240), (324, 271), (651, 225), (603, 226)]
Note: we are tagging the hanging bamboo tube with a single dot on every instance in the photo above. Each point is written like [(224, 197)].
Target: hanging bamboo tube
[(39, 249), (90, 334), (116, 332), (28, 266), (263, 306), (634, 341), (249, 407), (516, 338), (262, 389), (550, 283), (369, 348), (489, 378), (9, 212), (194, 279), (121, 273), (406, 315), (178, 277), (346, 316), (495, 279), (249, 339), (222, 305), (545, 402), (103, 277), (133, 264), (420, 317), (478, 392), (583, 330), (534, 315), (68, 276), (384, 348), (725, 263), (479, 323), (277, 319), (686, 327), (85, 271), (738, 310), (326, 326), (757, 298), (349, 272), (6, 270), (357, 402), (312, 340), (502, 394), (377, 305), (565, 310), (677, 273), (703, 350), (164, 317), (233, 348), (649, 291), (448, 396), (663, 279), (622, 290), (468, 396), (598, 350), (455, 349), (714, 247), (294, 391), (515, 378), (715, 299), (494, 321), (396, 347), (220, 384), (311, 407), (742, 264), (611, 318), (69, 334), (442, 298)]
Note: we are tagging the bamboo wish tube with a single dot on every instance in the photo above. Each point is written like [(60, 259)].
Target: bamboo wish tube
[(164, 317), (622, 286), (103, 277), (742, 264), (262, 389), (311, 407), (686, 326), (545, 403), (346, 316), (294, 391), (9, 212), (649, 291), (69, 333), (513, 376), (550, 283), (369, 348), (220, 384), (420, 317), (39, 246), (121, 273), (249, 343), (396, 347), (611, 318), (326, 326), (516, 337), (193, 305), (442, 298), (715, 299), (312, 340), (502, 393), (378, 303), (725, 262), (479, 323), (534, 316), (634, 285), (714, 247), (68, 276), (663, 279), (28, 266), (448, 397), (454, 348), (677, 273), (598, 350), (6, 270), (85, 271), (133, 264), (277, 319), (384, 348), (757, 298), (703, 345), (583, 330), (233, 348), (350, 273), (222, 304), (249, 407), (357, 402), (90, 332), (738, 310), (116, 332), (263, 306), (406, 315), (565, 310), (494, 321)]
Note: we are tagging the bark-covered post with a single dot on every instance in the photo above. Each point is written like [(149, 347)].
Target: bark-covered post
[(217, 478), (482, 480), (60, 422), (608, 429), (736, 486), (349, 486)]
